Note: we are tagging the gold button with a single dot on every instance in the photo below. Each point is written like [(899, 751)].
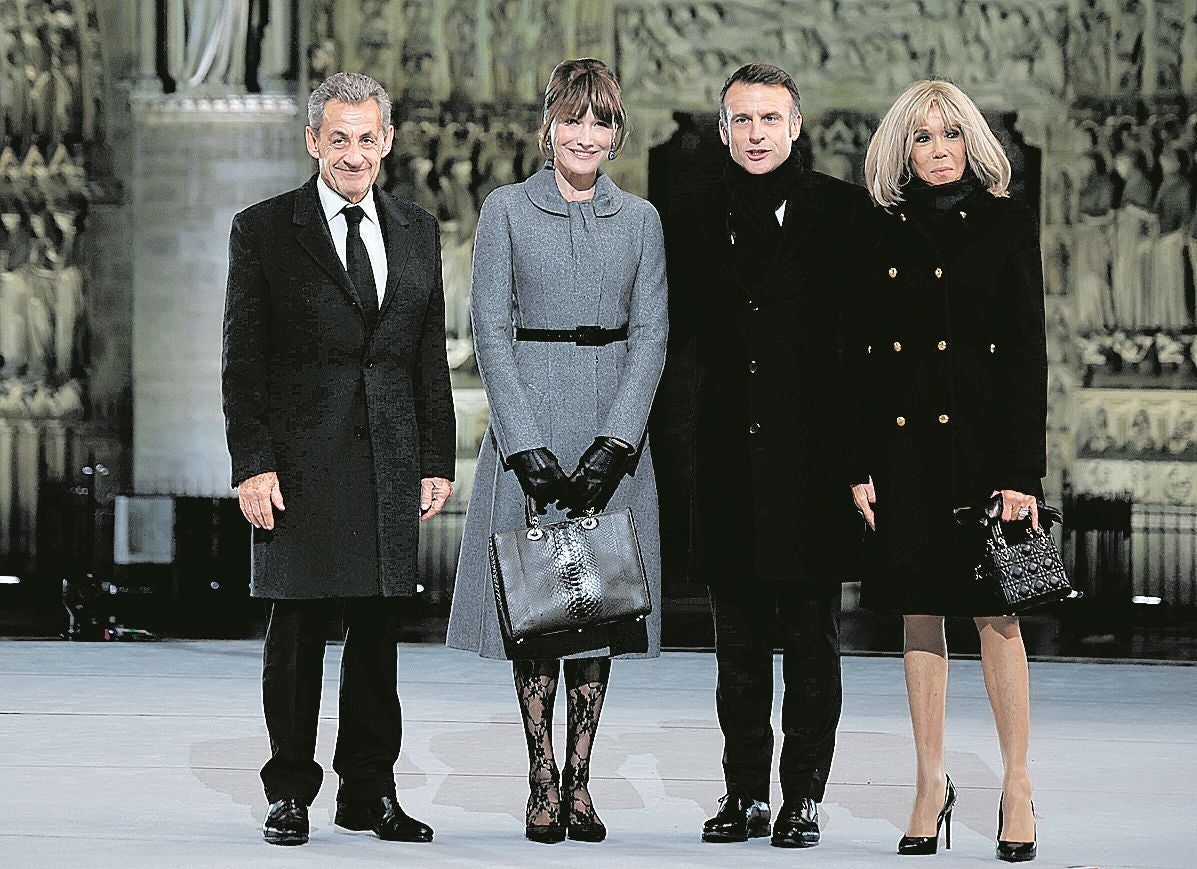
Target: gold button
[(963, 215), (942, 345), (943, 418), (901, 421), (992, 348), (939, 273), (893, 272), (897, 346), (902, 217)]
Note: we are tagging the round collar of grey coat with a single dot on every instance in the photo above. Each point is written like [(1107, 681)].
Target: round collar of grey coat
[(542, 190)]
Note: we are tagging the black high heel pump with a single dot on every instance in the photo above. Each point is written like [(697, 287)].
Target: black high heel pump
[(917, 845), (1014, 852)]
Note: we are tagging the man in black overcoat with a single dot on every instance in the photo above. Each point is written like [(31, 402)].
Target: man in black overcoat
[(340, 425), (759, 270)]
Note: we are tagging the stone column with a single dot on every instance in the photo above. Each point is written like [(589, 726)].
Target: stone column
[(148, 81), (1150, 49), (275, 63), (28, 457), (55, 433), (6, 485)]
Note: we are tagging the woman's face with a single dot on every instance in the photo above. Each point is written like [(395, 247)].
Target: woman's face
[(581, 144), (937, 155)]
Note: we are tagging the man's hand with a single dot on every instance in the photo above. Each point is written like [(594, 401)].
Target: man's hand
[(434, 492), (256, 495), (865, 497)]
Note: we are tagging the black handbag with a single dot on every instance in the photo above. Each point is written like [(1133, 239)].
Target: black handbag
[(568, 576), (1019, 566)]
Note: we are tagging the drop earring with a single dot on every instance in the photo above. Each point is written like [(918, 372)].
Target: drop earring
[(611, 153)]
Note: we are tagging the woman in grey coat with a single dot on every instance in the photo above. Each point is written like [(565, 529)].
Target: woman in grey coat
[(570, 319)]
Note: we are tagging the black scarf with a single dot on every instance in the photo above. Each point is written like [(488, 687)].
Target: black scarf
[(753, 201), (921, 196)]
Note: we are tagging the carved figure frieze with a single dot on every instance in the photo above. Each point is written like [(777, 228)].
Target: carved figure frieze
[(50, 74)]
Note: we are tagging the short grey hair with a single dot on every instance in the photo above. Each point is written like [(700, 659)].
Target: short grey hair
[(347, 87)]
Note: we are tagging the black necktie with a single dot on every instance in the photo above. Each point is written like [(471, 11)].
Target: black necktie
[(357, 263)]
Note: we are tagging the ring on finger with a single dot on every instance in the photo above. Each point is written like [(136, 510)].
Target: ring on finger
[(1024, 512)]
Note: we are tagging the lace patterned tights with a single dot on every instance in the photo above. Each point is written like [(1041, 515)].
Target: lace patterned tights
[(536, 689)]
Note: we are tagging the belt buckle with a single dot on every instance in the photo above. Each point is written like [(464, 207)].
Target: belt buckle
[(588, 336)]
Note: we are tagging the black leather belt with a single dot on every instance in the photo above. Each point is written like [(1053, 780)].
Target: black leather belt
[(583, 336)]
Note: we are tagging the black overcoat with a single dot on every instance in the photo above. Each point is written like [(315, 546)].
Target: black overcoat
[(769, 503), (350, 420), (951, 381)]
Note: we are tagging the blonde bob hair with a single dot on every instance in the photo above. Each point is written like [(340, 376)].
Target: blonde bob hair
[(887, 162), (576, 86)]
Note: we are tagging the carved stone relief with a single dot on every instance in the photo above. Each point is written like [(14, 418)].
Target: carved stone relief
[(51, 81)]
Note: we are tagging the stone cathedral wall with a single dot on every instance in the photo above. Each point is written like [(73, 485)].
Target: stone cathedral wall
[(133, 131)]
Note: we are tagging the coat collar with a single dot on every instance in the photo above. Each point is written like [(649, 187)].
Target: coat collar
[(313, 233), (541, 188), (803, 207)]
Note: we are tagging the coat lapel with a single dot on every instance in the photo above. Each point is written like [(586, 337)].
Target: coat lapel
[(802, 209), (396, 230), (715, 236), (312, 231)]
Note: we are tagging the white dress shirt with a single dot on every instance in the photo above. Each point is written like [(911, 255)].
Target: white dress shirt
[(332, 203), (781, 216)]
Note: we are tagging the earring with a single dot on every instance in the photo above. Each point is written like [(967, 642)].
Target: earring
[(611, 154), (548, 144)]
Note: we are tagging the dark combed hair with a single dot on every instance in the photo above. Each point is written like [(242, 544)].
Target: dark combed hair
[(761, 73)]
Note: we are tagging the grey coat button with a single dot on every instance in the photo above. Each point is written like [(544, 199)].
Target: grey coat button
[(754, 428)]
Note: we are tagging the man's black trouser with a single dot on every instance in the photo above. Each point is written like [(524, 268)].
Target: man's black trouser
[(370, 727), (808, 629)]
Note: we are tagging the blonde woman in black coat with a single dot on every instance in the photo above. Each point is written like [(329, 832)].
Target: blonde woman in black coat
[(952, 409)]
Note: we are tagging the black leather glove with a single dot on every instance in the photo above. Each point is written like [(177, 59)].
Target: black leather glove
[(540, 476), (597, 476)]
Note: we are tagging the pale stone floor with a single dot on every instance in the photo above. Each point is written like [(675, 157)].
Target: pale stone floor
[(147, 755)]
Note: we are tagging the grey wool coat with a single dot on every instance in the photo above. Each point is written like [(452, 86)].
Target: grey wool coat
[(349, 418), (541, 262)]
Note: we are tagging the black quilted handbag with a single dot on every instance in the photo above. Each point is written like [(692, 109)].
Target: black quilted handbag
[(1020, 566), (568, 576)]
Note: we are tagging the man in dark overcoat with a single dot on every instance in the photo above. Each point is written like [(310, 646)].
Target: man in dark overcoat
[(763, 267), (340, 425)]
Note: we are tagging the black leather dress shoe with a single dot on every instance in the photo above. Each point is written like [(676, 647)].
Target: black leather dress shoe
[(739, 819), (385, 817), (286, 823), (797, 825)]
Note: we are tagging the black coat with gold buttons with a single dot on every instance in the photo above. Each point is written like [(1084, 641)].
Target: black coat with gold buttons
[(768, 499), (951, 387)]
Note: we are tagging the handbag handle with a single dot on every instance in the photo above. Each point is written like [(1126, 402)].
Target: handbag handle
[(989, 513), (532, 518)]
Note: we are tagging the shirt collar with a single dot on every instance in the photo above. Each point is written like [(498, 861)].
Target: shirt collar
[(331, 202)]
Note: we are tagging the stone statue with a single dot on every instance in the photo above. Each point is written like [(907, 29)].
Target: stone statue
[(68, 309), (1093, 246), (1173, 211), (1136, 229), (1100, 440), (206, 42), (1141, 440)]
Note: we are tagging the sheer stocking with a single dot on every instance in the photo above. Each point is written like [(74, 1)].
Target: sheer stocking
[(586, 682), (536, 688)]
